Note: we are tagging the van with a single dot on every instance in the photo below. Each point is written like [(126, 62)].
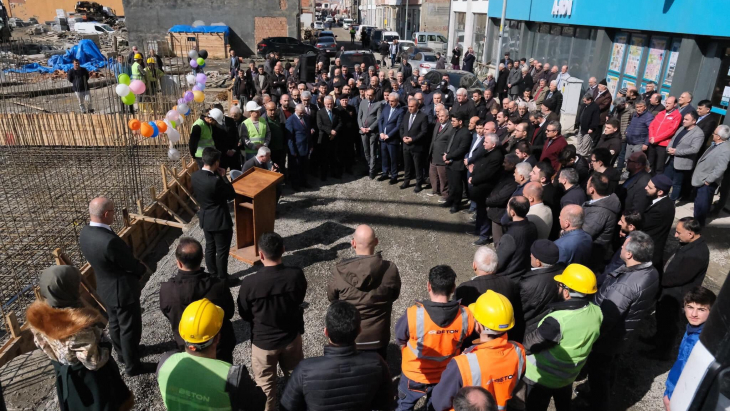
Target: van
[(432, 40), (346, 23), (389, 36), (363, 27), (93, 27)]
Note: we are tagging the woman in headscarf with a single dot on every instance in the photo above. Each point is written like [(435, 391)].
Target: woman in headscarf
[(71, 335)]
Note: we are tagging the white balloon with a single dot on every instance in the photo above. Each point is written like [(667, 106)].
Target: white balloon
[(197, 23), (193, 54), (172, 134), (123, 90), (173, 154), (190, 78), (182, 108)]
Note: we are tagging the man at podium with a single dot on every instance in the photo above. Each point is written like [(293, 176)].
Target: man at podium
[(263, 160), (213, 190)]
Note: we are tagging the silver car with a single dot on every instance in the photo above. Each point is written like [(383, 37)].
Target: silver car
[(423, 62), (329, 44)]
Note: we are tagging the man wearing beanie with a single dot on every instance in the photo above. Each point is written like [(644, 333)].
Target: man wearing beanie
[(659, 216), (604, 100), (537, 287)]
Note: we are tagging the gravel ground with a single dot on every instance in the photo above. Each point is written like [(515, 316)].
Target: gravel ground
[(317, 226)]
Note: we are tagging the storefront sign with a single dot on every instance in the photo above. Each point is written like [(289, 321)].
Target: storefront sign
[(562, 7)]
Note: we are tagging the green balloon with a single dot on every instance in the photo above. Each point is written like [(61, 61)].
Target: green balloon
[(124, 79), (201, 61), (129, 99), (173, 124)]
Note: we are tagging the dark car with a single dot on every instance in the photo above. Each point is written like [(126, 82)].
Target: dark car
[(412, 51), (285, 46), (457, 78), (356, 57), (376, 36), (329, 44)]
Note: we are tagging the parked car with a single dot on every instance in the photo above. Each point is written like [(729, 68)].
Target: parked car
[(329, 44), (346, 23), (362, 27), (285, 46), (318, 25), (430, 39), (423, 62), (93, 28), (457, 78), (411, 52), (376, 36), (356, 57)]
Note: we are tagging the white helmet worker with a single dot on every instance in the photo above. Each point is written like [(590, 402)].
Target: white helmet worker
[(217, 115)]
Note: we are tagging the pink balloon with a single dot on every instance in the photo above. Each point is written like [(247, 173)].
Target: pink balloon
[(137, 86), (193, 64), (189, 96)]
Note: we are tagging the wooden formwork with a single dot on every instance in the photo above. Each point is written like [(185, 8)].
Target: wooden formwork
[(143, 229), (216, 44)]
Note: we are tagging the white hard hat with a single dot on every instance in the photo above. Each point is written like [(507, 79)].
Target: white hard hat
[(217, 115), (252, 106)]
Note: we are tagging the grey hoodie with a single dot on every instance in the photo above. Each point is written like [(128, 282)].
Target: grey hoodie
[(601, 218)]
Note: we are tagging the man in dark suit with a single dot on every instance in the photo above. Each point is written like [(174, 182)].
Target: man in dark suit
[(263, 160), (213, 190), (485, 175), (367, 120), (456, 149), (330, 127), (389, 125), (554, 99), (537, 139), (706, 123), (298, 130), (632, 193), (414, 131), (117, 274), (659, 216)]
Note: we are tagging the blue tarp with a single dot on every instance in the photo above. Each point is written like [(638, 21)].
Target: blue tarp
[(200, 29), (86, 52)]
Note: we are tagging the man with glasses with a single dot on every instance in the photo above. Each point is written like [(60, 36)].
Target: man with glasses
[(554, 144)]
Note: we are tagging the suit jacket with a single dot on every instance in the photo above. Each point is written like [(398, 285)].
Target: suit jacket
[(298, 135), (369, 116), (117, 270), (213, 191), (687, 149), (537, 139), (552, 151), (418, 131), (440, 138), (486, 174), (633, 194), (325, 125), (391, 125), (476, 149), (712, 165), (457, 148), (658, 220), (604, 103), (557, 99), (254, 162)]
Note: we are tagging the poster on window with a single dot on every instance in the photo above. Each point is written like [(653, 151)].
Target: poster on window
[(636, 50), (672, 65), (617, 53), (626, 83), (657, 49), (612, 81)]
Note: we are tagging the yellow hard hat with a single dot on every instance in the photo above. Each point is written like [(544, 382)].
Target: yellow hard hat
[(137, 56), (151, 60), (493, 311), (579, 278), (201, 321)]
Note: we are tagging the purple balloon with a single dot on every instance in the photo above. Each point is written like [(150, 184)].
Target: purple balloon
[(181, 101), (201, 78), (193, 64), (196, 88), (189, 96)]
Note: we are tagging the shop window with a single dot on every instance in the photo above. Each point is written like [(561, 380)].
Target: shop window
[(480, 29)]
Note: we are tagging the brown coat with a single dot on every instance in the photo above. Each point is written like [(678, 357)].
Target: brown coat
[(604, 103), (372, 285)]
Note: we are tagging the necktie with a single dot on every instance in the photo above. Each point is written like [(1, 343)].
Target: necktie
[(441, 128), (329, 113), (306, 108), (410, 122), (301, 120)]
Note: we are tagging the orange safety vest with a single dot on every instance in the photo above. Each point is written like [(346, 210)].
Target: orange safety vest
[(497, 366), (430, 347)]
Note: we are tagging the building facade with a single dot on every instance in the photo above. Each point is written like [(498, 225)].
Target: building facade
[(407, 16), (679, 45), (468, 25)]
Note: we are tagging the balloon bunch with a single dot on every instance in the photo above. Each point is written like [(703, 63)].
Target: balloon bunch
[(154, 128), (128, 89), (197, 59)]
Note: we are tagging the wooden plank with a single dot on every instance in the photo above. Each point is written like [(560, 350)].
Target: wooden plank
[(12, 322), (17, 346), (182, 186), (158, 221), (182, 203), (172, 213)]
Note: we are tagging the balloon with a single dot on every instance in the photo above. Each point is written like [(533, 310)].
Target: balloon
[(197, 23), (161, 125), (122, 90), (155, 130), (201, 86), (201, 78), (173, 154), (203, 66), (124, 79), (129, 99), (137, 87), (146, 130), (196, 88), (134, 124), (172, 115), (200, 61), (190, 79), (172, 134), (199, 96), (173, 123), (188, 97), (182, 108), (193, 64), (193, 54), (203, 54)]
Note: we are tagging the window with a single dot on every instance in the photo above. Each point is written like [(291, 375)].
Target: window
[(421, 38), (418, 57), (442, 39), (431, 37)]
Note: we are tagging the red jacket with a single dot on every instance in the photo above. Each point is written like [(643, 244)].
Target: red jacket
[(663, 127), (552, 151)]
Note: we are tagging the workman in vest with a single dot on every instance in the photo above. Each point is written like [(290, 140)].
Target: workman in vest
[(194, 379), (201, 136), (493, 362), (152, 76), (429, 334), (254, 133), (137, 68), (560, 345)]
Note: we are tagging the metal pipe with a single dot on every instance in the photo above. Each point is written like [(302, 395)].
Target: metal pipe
[(405, 29), (498, 49)]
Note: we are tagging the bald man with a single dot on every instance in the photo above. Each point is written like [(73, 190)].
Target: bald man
[(371, 284), (540, 214), (117, 276), (474, 398), (574, 244)]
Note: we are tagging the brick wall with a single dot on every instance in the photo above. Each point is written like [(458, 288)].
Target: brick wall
[(306, 4), (270, 27)]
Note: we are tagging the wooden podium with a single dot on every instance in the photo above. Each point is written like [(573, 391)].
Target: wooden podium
[(255, 211)]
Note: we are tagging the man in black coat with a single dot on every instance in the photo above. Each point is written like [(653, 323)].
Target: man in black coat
[(213, 190), (485, 175), (537, 286), (514, 246), (190, 284), (79, 79), (117, 275), (456, 149), (590, 126), (330, 127), (405, 67), (414, 132), (632, 192), (343, 378), (659, 216)]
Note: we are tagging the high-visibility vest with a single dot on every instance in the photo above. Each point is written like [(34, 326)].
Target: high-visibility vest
[(256, 136), (188, 382), (137, 71), (206, 137), (560, 365), (430, 347)]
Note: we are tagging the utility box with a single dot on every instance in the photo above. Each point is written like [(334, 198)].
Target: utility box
[(572, 94)]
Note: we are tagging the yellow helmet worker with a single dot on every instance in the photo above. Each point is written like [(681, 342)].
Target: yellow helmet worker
[(200, 323)]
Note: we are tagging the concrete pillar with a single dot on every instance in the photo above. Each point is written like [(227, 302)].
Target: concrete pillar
[(688, 67)]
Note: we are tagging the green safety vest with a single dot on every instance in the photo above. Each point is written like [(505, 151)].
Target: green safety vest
[(136, 71), (560, 365), (256, 136), (194, 383), (206, 137)]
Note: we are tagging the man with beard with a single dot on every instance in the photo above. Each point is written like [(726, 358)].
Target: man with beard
[(553, 100), (659, 216), (629, 222), (447, 96), (502, 131), (453, 156)]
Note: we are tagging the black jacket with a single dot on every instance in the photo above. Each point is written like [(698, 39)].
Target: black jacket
[(601, 218), (469, 291), (457, 148), (538, 290), (574, 195), (632, 192), (418, 131), (213, 191), (326, 126), (486, 174), (117, 270), (658, 220), (497, 200), (590, 118), (610, 141), (514, 248), (480, 109), (467, 109), (343, 379), (271, 301), (79, 79), (688, 266), (188, 286)]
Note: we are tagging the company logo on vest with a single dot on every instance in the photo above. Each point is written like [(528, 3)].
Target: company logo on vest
[(562, 7)]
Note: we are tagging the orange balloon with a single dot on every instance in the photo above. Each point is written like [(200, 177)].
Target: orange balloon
[(161, 126), (146, 130), (134, 124)]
